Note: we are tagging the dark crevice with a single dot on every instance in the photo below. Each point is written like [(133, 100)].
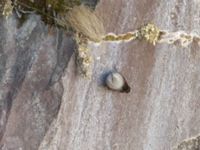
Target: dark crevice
[(91, 3), (65, 49)]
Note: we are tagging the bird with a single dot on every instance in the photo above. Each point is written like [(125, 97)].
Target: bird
[(116, 81)]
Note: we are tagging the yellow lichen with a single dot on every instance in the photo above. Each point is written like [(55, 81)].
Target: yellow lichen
[(150, 33), (122, 37)]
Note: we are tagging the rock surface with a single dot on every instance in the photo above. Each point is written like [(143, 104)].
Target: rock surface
[(45, 105)]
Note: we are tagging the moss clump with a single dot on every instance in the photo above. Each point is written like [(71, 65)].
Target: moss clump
[(57, 6), (50, 10), (6, 8), (62, 5)]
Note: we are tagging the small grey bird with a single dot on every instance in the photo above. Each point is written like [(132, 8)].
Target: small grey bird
[(115, 81)]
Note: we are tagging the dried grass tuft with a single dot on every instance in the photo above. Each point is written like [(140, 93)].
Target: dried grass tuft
[(83, 20)]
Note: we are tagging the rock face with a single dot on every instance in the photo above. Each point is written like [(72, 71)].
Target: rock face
[(45, 105)]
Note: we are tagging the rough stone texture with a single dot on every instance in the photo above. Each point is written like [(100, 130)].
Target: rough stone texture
[(44, 105)]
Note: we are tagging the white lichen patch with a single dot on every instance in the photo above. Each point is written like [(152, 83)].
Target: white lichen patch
[(180, 36)]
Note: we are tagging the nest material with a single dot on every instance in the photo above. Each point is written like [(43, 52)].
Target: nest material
[(7, 8), (84, 21), (84, 58)]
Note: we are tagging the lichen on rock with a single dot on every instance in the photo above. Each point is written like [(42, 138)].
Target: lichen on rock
[(150, 33), (83, 56)]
